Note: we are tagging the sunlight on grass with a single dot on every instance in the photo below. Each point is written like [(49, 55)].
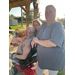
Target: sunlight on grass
[(61, 72), (17, 27)]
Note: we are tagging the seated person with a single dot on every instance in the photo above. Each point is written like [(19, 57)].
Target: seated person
[(24, 48), (18, 37)]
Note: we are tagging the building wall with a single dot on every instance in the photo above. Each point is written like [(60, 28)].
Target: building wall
[(13, 22)]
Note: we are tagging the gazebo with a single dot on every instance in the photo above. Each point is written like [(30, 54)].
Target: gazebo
[(26, 3)]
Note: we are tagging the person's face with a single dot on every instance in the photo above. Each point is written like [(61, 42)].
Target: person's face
[(28, 33), (50, 13), (36, 26)]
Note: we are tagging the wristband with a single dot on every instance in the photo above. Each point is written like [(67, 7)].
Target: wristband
[(14, 59)]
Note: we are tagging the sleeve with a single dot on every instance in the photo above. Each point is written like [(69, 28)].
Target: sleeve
[(57, 35), (29, 40)]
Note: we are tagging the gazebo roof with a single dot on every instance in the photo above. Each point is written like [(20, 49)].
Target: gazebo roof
[(26, 3), (18, 3)]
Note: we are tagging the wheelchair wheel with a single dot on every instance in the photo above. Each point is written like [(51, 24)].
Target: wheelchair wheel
[(14, 70)]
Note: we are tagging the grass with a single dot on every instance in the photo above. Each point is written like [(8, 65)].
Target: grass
[(19, 26), (61, 72)]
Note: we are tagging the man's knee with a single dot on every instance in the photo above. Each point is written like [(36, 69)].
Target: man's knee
[(44, 73)]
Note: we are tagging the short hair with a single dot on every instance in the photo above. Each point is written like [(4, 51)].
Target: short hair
[(32, 29), (51, 6), (38, 21)]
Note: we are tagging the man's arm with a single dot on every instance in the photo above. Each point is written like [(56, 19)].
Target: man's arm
[(26, 51), (45, 43)]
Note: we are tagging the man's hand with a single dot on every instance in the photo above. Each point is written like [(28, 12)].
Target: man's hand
[(14, 55), (36, 39), (33, 43)]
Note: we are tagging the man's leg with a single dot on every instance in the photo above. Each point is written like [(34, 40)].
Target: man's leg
[(51, 72), (39, 71)]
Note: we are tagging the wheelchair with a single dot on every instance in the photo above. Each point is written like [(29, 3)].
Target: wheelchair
[(26, 66)]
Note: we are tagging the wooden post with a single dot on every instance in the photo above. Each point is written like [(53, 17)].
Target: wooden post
[(27, 14), (21, 18), (36, 12), (36, 9), (9, 9), (27, 20)]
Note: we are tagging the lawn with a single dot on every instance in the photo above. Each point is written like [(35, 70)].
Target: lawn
[(61, 72), (19, 26)]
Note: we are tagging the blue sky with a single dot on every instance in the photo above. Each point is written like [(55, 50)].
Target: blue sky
[(59, 5)]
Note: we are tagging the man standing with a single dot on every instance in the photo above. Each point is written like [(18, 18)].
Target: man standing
[(50, 44)]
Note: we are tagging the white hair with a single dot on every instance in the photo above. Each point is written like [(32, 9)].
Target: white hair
[(31, 29)]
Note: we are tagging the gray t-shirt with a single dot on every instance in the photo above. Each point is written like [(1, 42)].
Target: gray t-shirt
[(52, 58), (20, 48)]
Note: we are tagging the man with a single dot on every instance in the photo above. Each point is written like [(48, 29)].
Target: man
[(50, 44), (24, 48)]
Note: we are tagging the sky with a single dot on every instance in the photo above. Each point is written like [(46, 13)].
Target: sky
[(59, 5)]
